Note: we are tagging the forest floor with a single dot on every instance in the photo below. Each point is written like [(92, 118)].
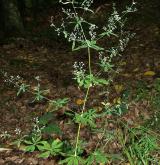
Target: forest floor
[(53, 62)]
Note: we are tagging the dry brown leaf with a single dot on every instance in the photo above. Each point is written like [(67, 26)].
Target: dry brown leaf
[(119, 88), (79, 101)]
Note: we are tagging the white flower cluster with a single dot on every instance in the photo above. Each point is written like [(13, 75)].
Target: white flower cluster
[(57, 29), (79, 66), (123, 42), (76, 35), (115, 14), (79, 71), (103, 59), (113, 19), (37, 78), (69, 13), (131, 8), (18, 131), (37, 130), (105, 62), (113, 52), (86, 4), (92, 32), (72, 37), (16, 80)]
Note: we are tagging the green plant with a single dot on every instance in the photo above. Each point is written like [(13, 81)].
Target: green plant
[(96, 157), (49, 127), (55, 105), (34, 139), (142, 91), (73, 160), (5, 135), (19, 139), (87, 118), (139, 146), (154, 120), (87, 38), (33, 143), (157, 84), (83, 34), (50, 149), (117, 109), (22, 89)]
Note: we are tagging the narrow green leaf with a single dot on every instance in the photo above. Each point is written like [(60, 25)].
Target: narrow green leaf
[(45, 118), (52, 128), (30, 148)]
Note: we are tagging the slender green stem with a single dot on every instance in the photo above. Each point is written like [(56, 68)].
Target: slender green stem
[(128, 156), (85, 100), (87, 92), (77, 139), (79, 126), (89, 61), (84, 104)]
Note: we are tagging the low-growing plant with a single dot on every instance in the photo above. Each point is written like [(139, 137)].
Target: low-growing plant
[(50, 149), (142, 91), (33, 143), (96, 157), (5, 135), (49, 126), (139, 146), (19, 138)]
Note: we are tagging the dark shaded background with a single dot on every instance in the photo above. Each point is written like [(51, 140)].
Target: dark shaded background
[(17, 17)]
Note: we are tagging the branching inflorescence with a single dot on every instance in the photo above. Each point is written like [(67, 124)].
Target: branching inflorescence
[(73, 27)]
